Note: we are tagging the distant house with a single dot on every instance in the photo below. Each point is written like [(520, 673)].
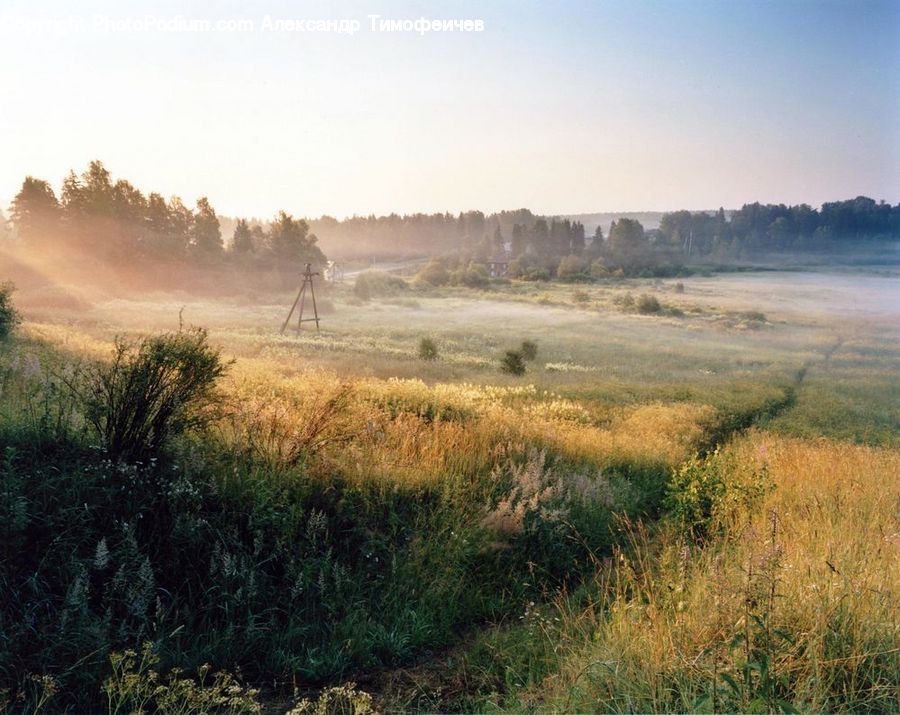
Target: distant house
[(498, 265), (334, 273)]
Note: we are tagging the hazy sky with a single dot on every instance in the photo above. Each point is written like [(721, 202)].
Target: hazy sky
[(562, 107)]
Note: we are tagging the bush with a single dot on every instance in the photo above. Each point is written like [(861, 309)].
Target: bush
[(528, 350), (537, 274), (626, 302), (475, 275), (571, 268), (428, 349), (9, 316), (512, 363), (599, 269), (679, 287), (581, 296), (708, 495), (378, 284), (525, 268), (647, 304), (434, 274), (152, 390)]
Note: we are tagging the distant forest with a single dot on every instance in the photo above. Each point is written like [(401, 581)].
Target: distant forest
[(113, 220)]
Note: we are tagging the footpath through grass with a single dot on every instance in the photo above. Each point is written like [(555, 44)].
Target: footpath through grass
[(299, 533)]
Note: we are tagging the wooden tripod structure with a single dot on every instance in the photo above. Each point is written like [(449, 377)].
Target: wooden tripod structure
[(301, 299)]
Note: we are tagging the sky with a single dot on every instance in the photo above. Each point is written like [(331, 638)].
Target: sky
[(563, 107)]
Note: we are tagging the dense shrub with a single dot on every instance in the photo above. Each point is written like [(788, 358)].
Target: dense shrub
[(152, 390), (571, 268), (537, 274), (581, 296), (9, 316), (474, 275), (512, 363), (428, 349), (647, 304), (434, 274), (525, 268), (599, 269), (378, 284), (707, 494)]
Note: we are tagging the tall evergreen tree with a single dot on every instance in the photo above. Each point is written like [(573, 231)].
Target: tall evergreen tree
[(242, 239), (626, 237), (577, 241), (180, 222), (519, 240), (35, 211), (206, 234)]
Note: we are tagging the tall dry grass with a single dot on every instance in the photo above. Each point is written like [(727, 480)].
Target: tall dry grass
[(407, 432), (794, 607)]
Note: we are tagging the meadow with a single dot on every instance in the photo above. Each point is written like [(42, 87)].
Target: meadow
[(682, 504)]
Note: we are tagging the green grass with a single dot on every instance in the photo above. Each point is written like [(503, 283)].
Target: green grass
[(356, 508), (853, 395)]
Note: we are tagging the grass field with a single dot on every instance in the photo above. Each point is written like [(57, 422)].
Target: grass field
[(453, 537)]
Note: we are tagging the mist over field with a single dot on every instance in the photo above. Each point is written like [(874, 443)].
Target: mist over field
[(332, 379)]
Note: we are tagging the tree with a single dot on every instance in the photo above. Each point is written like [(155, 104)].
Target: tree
[(519, 244), (9, 316), (626, 237), (577, 242), (98, 189), (560, 238), (259, 239), (597, 245), (291, 244), (242, 239), (88, 207), (206, 235), (180, 220), (156, 223), (35, 211), (129, 209), (539, 239), (780, 234)]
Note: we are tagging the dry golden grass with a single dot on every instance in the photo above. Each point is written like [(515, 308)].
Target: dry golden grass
[(407, 432), (810, 584), (404, 431)]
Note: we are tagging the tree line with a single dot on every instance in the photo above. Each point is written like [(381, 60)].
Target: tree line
[(539, 245), (419, 234), (764, 228), (116, 221)]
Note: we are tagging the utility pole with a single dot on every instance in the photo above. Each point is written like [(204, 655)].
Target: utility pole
[(307, 276)]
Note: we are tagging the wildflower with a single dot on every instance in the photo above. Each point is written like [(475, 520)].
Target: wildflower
[(101, 555)]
